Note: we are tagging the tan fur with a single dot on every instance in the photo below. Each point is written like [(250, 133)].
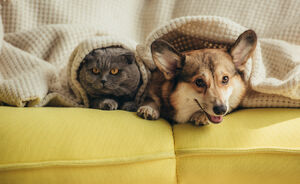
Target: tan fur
[(213, 65), (194, 85), (182, 100)]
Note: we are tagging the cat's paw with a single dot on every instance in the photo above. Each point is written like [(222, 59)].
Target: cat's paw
[(148, 112), (108, 104), (129, 106), (199, 119)]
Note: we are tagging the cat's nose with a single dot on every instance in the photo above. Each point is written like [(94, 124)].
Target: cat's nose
[(103, 81)]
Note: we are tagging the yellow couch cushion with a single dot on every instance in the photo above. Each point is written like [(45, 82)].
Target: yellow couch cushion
[(73, 145), (249, 146)]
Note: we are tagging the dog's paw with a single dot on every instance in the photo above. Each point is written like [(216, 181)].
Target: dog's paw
[(148, 112), (108, 104), (199, 119), (129, 106)]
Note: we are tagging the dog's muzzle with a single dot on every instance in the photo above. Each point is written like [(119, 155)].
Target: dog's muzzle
[(214, 119)]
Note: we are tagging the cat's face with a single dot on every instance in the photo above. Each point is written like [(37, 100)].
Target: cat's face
[(109, 71)]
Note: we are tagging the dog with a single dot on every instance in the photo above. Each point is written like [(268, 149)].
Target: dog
[(198, 86)]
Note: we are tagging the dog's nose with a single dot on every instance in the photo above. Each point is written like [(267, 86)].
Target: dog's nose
[(220, 109)]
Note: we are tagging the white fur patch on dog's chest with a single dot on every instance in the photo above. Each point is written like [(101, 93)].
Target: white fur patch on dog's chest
[(183, 101)]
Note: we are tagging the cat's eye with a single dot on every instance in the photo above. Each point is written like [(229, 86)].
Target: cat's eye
[(114, 71), (200, 83), (225, 79), (96, 70)]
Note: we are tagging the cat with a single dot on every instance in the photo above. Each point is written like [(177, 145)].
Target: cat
[(111, 78)]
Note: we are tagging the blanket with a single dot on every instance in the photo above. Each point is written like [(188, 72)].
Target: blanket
[(43, 43)]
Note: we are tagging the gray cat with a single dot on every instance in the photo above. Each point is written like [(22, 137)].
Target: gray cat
[(111, 78)]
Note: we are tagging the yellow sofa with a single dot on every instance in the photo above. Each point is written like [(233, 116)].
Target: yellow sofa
[(73, 145)]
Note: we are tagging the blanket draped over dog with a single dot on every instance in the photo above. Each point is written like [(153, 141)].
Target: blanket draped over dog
[(44, 42)]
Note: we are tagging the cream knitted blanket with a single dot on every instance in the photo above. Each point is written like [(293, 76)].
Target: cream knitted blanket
[(43, 42)]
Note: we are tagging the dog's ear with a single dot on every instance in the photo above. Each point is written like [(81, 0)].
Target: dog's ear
[(167, 59), (243, 48)]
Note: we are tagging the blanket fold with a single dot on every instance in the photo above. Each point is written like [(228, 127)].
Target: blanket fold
[(33, 64), (273, 72)]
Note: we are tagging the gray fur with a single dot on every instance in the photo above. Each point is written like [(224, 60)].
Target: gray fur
[(119, 90)]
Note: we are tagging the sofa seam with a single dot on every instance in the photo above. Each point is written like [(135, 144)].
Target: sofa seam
[(176, 164), (240, 151), (79, 163)]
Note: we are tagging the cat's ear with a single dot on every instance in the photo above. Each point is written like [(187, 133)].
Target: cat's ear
[(129, 56), (243, 48), (89, 57), (96, 52), (167, 59)]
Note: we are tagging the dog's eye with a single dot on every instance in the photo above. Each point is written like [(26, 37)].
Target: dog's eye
[(200, 83), (225, 79), (96, 71)]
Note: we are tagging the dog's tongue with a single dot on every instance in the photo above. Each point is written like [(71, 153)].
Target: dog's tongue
[(216, 119)]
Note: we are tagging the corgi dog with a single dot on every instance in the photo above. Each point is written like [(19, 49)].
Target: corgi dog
[(198, 86)]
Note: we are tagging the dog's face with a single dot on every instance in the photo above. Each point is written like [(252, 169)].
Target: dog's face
[(208, 79)]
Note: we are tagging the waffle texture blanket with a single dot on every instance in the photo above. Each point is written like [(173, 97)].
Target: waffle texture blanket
[(43, 43)]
